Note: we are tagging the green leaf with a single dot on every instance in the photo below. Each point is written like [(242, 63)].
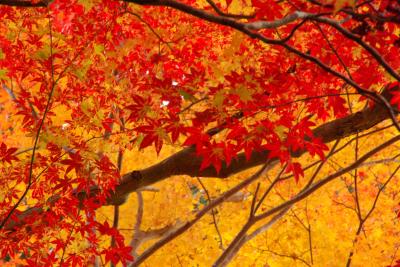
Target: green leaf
[(99, 49), (3, 74), (139, 140), (48, 137), (186, 95), (219, 99), (86, 105), (44, 53), (98, 118), (87, 4), (203, 201), (194, 189), (350, 189), (81, 72), (243, 93)]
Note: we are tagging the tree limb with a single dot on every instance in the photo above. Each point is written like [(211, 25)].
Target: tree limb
[(185, 162), (308, 190), (258, 25)]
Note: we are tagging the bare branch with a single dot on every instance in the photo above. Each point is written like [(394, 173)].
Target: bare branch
[(143, 236), (242, 236), (185, 162), (258, 25), (268, 225), (372, 51), (213, 213), (308, 191), (239, 240), (362, 220), (136, 238), (228, 257), (180, 230)]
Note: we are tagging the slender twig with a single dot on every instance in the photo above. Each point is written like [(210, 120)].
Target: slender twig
[(310, 247), (372, 51), (136, 239), (369, 94), (47, 108), (192, 104), (305, 99), (394, 256), (355, 176), (116, 207), (180, 230), (294, 257), (23, 151), (257, 25), (270, 187), (226, 258), (244, 27), (150, 28), (344, 205), (346, 69), (331, 152), (253, 201), (341, 148), (213, 213), (305, 192), (362, 220), (68, 239)]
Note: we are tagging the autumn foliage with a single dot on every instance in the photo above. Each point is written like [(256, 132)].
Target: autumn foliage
[(199, 133)]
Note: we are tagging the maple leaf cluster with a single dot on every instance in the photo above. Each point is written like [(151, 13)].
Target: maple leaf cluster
[(90, 79)]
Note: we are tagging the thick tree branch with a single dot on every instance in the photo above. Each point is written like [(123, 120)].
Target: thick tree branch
[(258, 25), (248, 237), (186, 162), (268, 165)]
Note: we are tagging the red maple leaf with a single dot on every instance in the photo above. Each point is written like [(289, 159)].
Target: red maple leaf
[(75, 162), (7, 154)]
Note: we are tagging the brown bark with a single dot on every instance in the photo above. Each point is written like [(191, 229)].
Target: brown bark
[(185, 162)]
